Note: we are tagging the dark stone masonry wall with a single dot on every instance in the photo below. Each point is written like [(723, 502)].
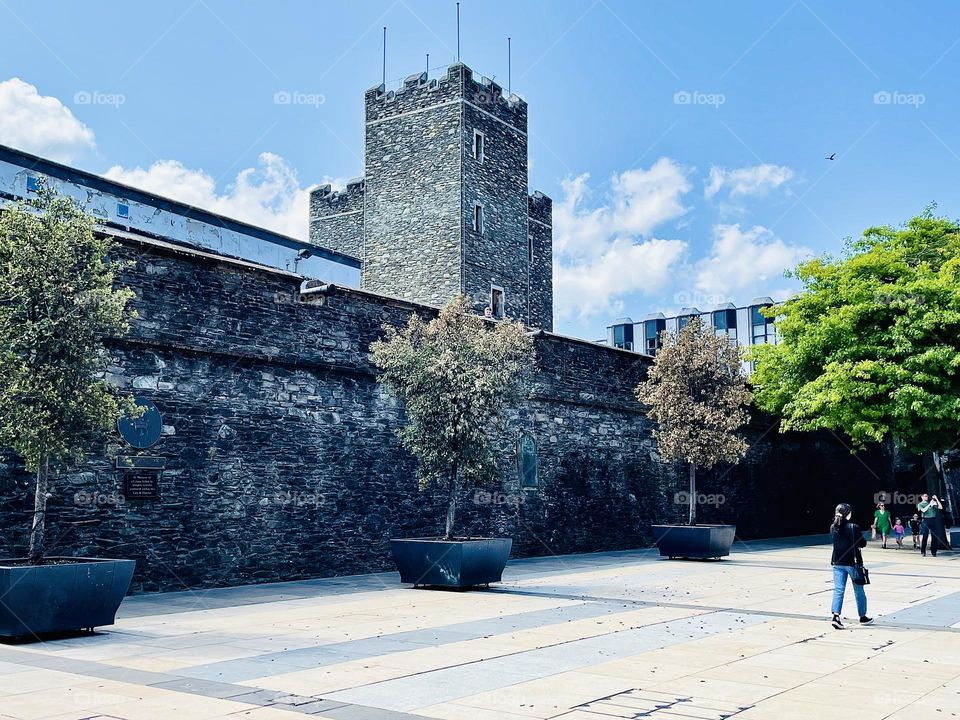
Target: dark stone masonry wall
[(336, 218), (540, 237), (283, 463)]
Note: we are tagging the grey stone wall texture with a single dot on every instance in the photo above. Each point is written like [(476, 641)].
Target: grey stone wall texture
[(283, 462), (415, 236), (337, 218)]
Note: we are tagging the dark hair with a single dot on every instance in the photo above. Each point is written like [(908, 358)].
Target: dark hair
[(840, 514)]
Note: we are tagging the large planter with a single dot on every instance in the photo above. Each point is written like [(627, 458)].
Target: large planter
[(700, 542), (450, 563), (65, 594)]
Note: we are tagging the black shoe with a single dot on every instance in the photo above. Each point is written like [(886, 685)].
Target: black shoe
[(836, 622), (864, 620)]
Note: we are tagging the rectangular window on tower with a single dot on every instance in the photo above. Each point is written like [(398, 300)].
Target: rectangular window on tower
[(478, 218), (478, 146), (529, 248), (497, 304)]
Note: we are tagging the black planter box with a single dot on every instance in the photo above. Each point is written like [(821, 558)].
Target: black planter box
[(699, 542), (451, 563), (76, 594)]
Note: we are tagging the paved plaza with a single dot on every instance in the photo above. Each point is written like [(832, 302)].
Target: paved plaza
[(583, 637)]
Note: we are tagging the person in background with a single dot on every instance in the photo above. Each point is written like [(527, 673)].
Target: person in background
[(847, 541), (929, 509), (915, 529), (882, 523), (898, 532), (488, 312)]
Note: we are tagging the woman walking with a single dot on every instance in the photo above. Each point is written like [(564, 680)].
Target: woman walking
[(846, 560), (882, 523)]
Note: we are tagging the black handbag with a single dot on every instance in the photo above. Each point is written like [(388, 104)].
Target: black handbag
[(860, 576)]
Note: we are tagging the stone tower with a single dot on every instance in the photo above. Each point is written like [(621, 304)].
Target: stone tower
[(443, 206)]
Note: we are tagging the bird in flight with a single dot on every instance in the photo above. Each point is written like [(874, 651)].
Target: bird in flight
[(833, 156)]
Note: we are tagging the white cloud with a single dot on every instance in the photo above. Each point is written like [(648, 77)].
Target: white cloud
[(745, 262), (268, 195), (742, 182), (40, 124), (597, 285), (604, 253)]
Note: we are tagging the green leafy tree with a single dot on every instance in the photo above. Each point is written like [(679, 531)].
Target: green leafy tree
[(57, 303), (698, 397), (871, 347), (456, 374)]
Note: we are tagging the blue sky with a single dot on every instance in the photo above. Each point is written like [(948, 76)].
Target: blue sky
[(684, 143)]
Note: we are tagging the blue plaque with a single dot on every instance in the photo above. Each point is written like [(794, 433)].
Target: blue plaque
[(144, 431)]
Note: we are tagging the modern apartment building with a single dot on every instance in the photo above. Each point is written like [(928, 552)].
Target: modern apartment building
[(744, 325)]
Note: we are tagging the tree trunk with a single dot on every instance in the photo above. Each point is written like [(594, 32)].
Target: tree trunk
[(693, 493), (35, 555), (451, 504), (889, 464)]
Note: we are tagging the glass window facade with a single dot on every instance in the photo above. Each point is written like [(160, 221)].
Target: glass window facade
[(725, 323), (762, 330), (651, 335), (623, 336)]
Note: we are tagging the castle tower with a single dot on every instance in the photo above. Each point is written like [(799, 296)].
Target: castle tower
[(443, 206)]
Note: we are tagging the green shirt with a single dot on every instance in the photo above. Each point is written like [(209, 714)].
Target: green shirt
[(928, 509)]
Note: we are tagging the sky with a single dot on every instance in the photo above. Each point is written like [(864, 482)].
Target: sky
[(684, 144)]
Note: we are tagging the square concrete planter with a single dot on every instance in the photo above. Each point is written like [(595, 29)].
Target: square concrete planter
[(450, 563), (699, 542), (67, 594)]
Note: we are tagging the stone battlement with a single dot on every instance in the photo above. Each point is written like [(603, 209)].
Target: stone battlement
[(540, 208), (417, 92), (327, 201)]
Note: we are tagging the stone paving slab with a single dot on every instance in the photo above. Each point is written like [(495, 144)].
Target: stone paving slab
[(582, 637)]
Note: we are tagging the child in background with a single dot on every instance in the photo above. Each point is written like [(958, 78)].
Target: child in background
[(915, 529), (898, 533)]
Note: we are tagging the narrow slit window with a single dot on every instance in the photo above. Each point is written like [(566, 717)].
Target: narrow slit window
[(478, 218), (497, 303), (123, 210), (478, 145), (529, 248)]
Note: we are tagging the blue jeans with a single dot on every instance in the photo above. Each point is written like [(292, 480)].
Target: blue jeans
[(840, 574)]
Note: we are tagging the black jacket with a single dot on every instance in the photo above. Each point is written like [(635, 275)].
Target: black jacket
[(847, 539)]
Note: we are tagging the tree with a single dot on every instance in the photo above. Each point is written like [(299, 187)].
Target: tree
[(57, 303), (871, 347), (456, 374), (698, 397)]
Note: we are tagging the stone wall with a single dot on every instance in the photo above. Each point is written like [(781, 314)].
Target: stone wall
[(540, 237), (336, 218), (283, 463), (413, 192), (497, 182)]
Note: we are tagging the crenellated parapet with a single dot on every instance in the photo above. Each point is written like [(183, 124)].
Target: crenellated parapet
[(418, 92), (336, 218), (540, 208)]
